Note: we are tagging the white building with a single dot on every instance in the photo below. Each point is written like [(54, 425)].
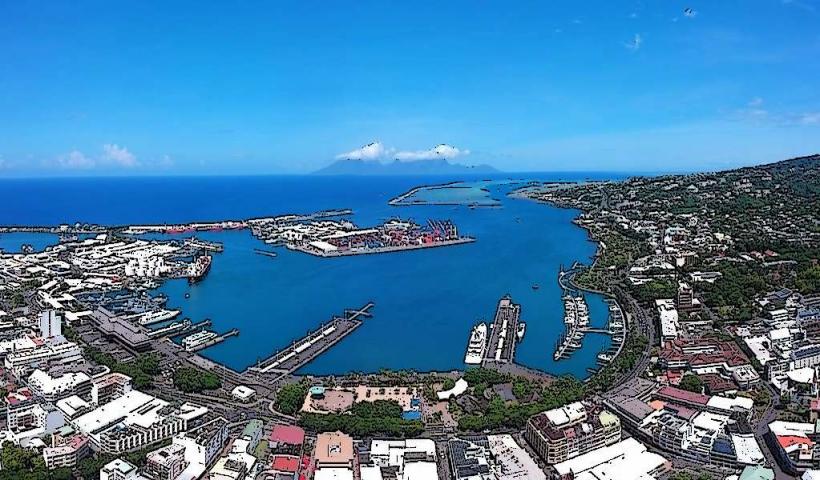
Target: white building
[(413, 458), (668, 315), (134, 421), (54, 388), (626, 460)]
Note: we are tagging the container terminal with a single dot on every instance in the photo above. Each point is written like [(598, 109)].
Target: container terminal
[(503, 335)]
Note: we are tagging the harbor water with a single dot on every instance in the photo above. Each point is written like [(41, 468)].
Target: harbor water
[(426, 301)]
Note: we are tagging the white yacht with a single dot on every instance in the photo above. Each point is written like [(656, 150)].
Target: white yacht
[(476, 345)]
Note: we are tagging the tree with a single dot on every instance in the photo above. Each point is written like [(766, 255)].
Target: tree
[(194, 380), (290, 397), (692, 383)]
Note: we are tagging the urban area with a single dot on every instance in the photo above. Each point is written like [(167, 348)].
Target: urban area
[(713, 285)]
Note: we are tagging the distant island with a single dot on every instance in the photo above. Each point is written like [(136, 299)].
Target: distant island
[(398, 167)]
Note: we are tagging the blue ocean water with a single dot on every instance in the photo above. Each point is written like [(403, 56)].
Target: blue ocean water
[(426, 300)]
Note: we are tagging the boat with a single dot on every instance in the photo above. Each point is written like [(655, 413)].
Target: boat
[(522, 327), (477, 345), (192, 342), (535, 286), (604, 357), (151, 318), (198, 269)]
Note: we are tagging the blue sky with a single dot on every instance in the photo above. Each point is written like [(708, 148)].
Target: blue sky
[(145, 88)]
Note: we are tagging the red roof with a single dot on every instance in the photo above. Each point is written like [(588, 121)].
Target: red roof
[(286, 463), (287, 434), (787, 441), (683, 395)]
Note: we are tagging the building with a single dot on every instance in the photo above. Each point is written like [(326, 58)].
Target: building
[(133, 421), (119, 470), (25, 414), (410, 458), (52, 389), (243, 394), (67, 453), (668, 315), (286, 440), (334, 456), (43, 355), (204, 443), (109, 387), (794, 445), (574, 429), (626, 460), (469, 458), (252, 433), (166, 463), (50, 324), (510, 461)]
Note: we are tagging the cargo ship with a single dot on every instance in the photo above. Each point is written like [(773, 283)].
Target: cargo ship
[(476, 345), (199, 268)]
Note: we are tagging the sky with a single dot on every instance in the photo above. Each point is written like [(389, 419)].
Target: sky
[(287, 87)]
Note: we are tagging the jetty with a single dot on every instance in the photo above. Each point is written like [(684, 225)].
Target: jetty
[(503, 331), (304, 350), (576, 319)]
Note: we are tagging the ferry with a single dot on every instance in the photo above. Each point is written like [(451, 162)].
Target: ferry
[(192, 342), (522, 327), (151, 318), (477, 345), (198, 269)]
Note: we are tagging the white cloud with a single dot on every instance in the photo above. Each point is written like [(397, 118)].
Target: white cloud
[(377, 151), (635, 44), (118, 155), (811, 118), (371, 151), (439, 151), (75, 159), (754, 110)]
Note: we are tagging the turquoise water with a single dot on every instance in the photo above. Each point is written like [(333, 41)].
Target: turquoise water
[(426, 300), (462, 193)]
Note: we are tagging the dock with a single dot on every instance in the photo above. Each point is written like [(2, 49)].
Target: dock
[(502, 336), (266, 253), (204, 245), (304, 350), (218, 339)]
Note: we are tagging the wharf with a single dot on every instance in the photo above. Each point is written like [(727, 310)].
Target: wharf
[(388, 249), (266, 253), (502, 336), (306, 349), (205, 245), (218, 339)]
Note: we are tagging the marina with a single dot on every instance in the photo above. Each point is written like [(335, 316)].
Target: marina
[(304, 350), (503, 332)]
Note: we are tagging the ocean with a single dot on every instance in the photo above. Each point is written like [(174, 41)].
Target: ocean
[(426, 301)]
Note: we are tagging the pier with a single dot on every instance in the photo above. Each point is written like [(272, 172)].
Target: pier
[(502, 337), (303, 351)]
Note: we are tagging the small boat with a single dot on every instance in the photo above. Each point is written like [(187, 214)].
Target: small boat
[(522, 327), (535, 286), (187, 295)]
